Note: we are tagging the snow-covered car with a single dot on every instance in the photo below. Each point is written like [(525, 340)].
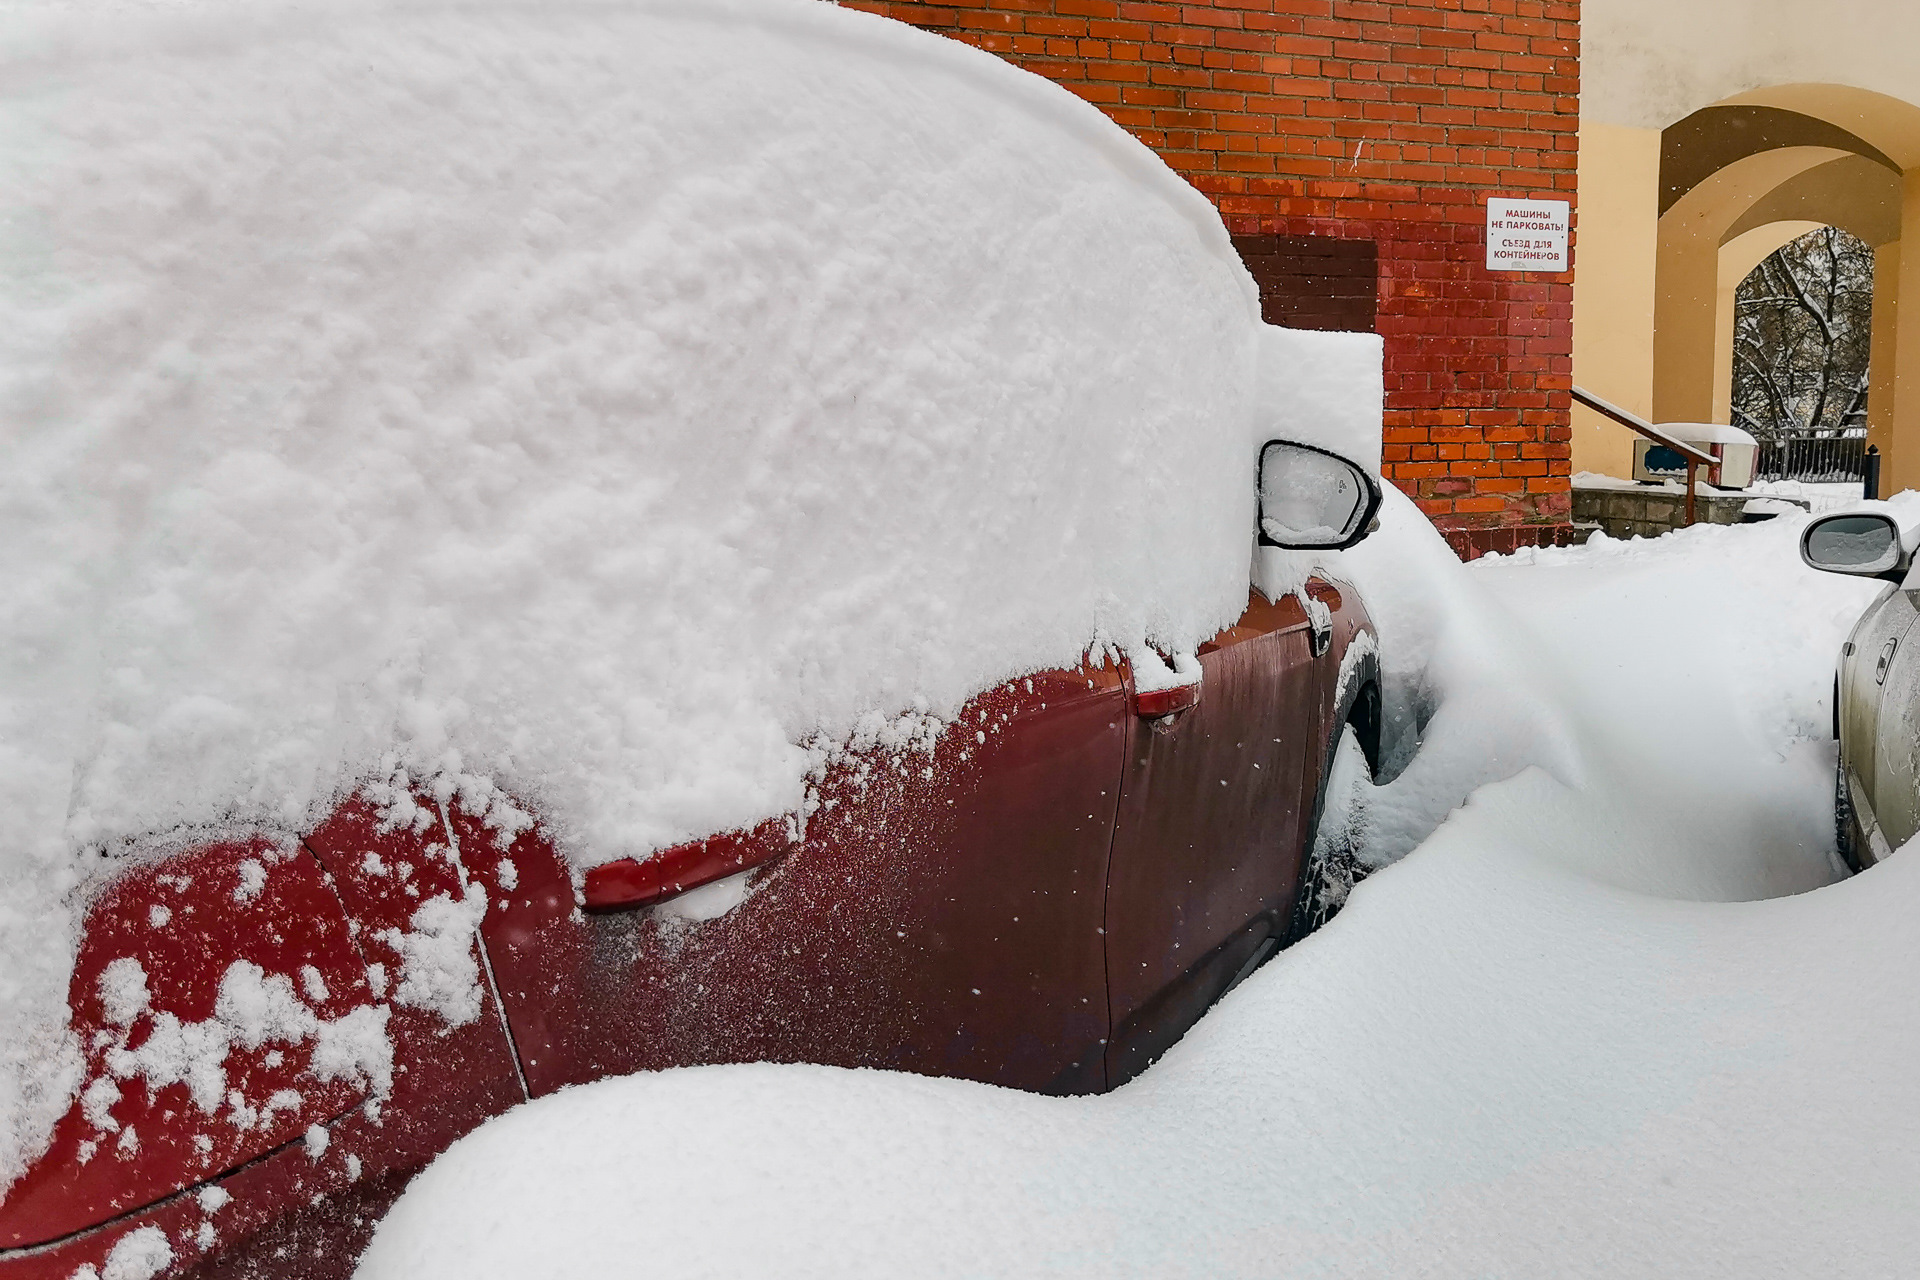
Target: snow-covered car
[(547, 543), (1043, 892), (1876, 687)]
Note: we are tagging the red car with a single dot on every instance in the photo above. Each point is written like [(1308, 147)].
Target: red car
[(1044, 893)]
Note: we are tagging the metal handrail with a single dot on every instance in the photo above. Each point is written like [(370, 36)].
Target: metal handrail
[(1695, 456)]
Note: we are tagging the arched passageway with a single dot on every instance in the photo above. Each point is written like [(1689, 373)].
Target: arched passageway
[(1692, 207)]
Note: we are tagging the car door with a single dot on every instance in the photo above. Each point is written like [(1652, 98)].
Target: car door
[(1880, 719), (940, 912), (1211, 830)]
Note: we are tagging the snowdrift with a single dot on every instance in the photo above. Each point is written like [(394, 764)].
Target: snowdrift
[(1552, 1040)]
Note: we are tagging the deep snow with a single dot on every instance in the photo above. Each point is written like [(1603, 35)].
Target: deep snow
[(1558, 1038)]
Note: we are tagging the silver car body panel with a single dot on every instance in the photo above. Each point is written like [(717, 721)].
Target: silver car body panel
[(1879, 717)]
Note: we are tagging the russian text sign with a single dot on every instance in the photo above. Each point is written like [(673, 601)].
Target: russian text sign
[(1527, 235)]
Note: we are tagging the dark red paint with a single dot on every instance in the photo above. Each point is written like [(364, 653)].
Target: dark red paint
[(185, 921), (1044, 894), (458, 1075), (1207, 850), (941, 913)]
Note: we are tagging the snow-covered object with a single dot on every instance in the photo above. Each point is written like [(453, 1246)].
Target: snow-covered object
[(599, 400), (1534, 1047), (1708, 433), (1734, 451), (1322, 389), (602, 402)]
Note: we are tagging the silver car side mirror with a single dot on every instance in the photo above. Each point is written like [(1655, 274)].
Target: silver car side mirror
[(1312, 499), (1864, 544)]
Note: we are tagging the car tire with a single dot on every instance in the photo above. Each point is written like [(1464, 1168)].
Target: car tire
[(1846, 840), (1332, 864)]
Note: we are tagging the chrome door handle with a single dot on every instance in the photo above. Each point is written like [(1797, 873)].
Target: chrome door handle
[(1886, 660), (1320, 626)]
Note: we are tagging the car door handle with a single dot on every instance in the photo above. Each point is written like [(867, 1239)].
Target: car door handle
[(1320, 600), (1322, 631), (628, 883), (1886, 660), (1152, 703)]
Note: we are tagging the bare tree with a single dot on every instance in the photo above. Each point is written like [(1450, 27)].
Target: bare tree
[(1802, 327)]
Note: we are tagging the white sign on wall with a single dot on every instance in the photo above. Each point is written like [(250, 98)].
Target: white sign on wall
[(1527, 235)]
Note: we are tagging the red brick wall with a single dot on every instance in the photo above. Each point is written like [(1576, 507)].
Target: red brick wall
[(1314, 282), (1384, 120)]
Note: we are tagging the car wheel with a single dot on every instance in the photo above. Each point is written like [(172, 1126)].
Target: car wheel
[(1846, 844), (1333, 863)]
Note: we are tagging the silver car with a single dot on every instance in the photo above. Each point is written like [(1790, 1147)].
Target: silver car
[(1876, 699)]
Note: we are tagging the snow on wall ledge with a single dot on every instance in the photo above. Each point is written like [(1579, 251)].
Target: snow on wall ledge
[(600, 401)]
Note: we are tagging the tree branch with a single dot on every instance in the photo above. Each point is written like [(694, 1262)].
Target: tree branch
[(1806, 303), (1772, 389)]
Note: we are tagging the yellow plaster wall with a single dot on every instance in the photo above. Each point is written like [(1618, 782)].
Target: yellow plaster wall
[(1886, 326), (1647, 63), (1687, 335), (1613, 281), (1901, 467)]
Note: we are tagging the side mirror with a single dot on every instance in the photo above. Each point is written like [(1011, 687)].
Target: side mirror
[(1864, 544), (1313, 500)]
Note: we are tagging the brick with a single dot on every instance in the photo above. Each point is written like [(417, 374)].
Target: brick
[(1356, 142)]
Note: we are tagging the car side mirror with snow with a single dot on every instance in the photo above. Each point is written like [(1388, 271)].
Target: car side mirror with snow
[(1864, 544), (1312, 499)]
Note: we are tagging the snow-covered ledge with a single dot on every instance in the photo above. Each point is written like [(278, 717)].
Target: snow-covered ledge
[(1632, 508)]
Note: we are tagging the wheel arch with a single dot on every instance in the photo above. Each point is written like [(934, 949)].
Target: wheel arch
[(1357, 697)]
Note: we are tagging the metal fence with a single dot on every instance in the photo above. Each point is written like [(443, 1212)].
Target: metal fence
[(1813, 455)]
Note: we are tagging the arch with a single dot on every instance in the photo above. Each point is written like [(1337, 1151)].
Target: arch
[(1694, 149), (1856, 194), (1687, 276), (1889, 125), (1735, 178), (1706, 168)]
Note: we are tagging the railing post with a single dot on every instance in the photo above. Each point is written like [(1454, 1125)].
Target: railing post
[(1692, 468), (1870, 480)]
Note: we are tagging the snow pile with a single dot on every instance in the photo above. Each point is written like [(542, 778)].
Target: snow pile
[(601, 403), (138, 1255), (1322, 389), (438, 970), (1539, 660), (1536, 1046), (1821, 497)]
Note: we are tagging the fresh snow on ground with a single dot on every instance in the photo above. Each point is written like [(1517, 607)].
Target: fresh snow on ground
[(1571, 1033), (607, 402), (1821, 496)]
